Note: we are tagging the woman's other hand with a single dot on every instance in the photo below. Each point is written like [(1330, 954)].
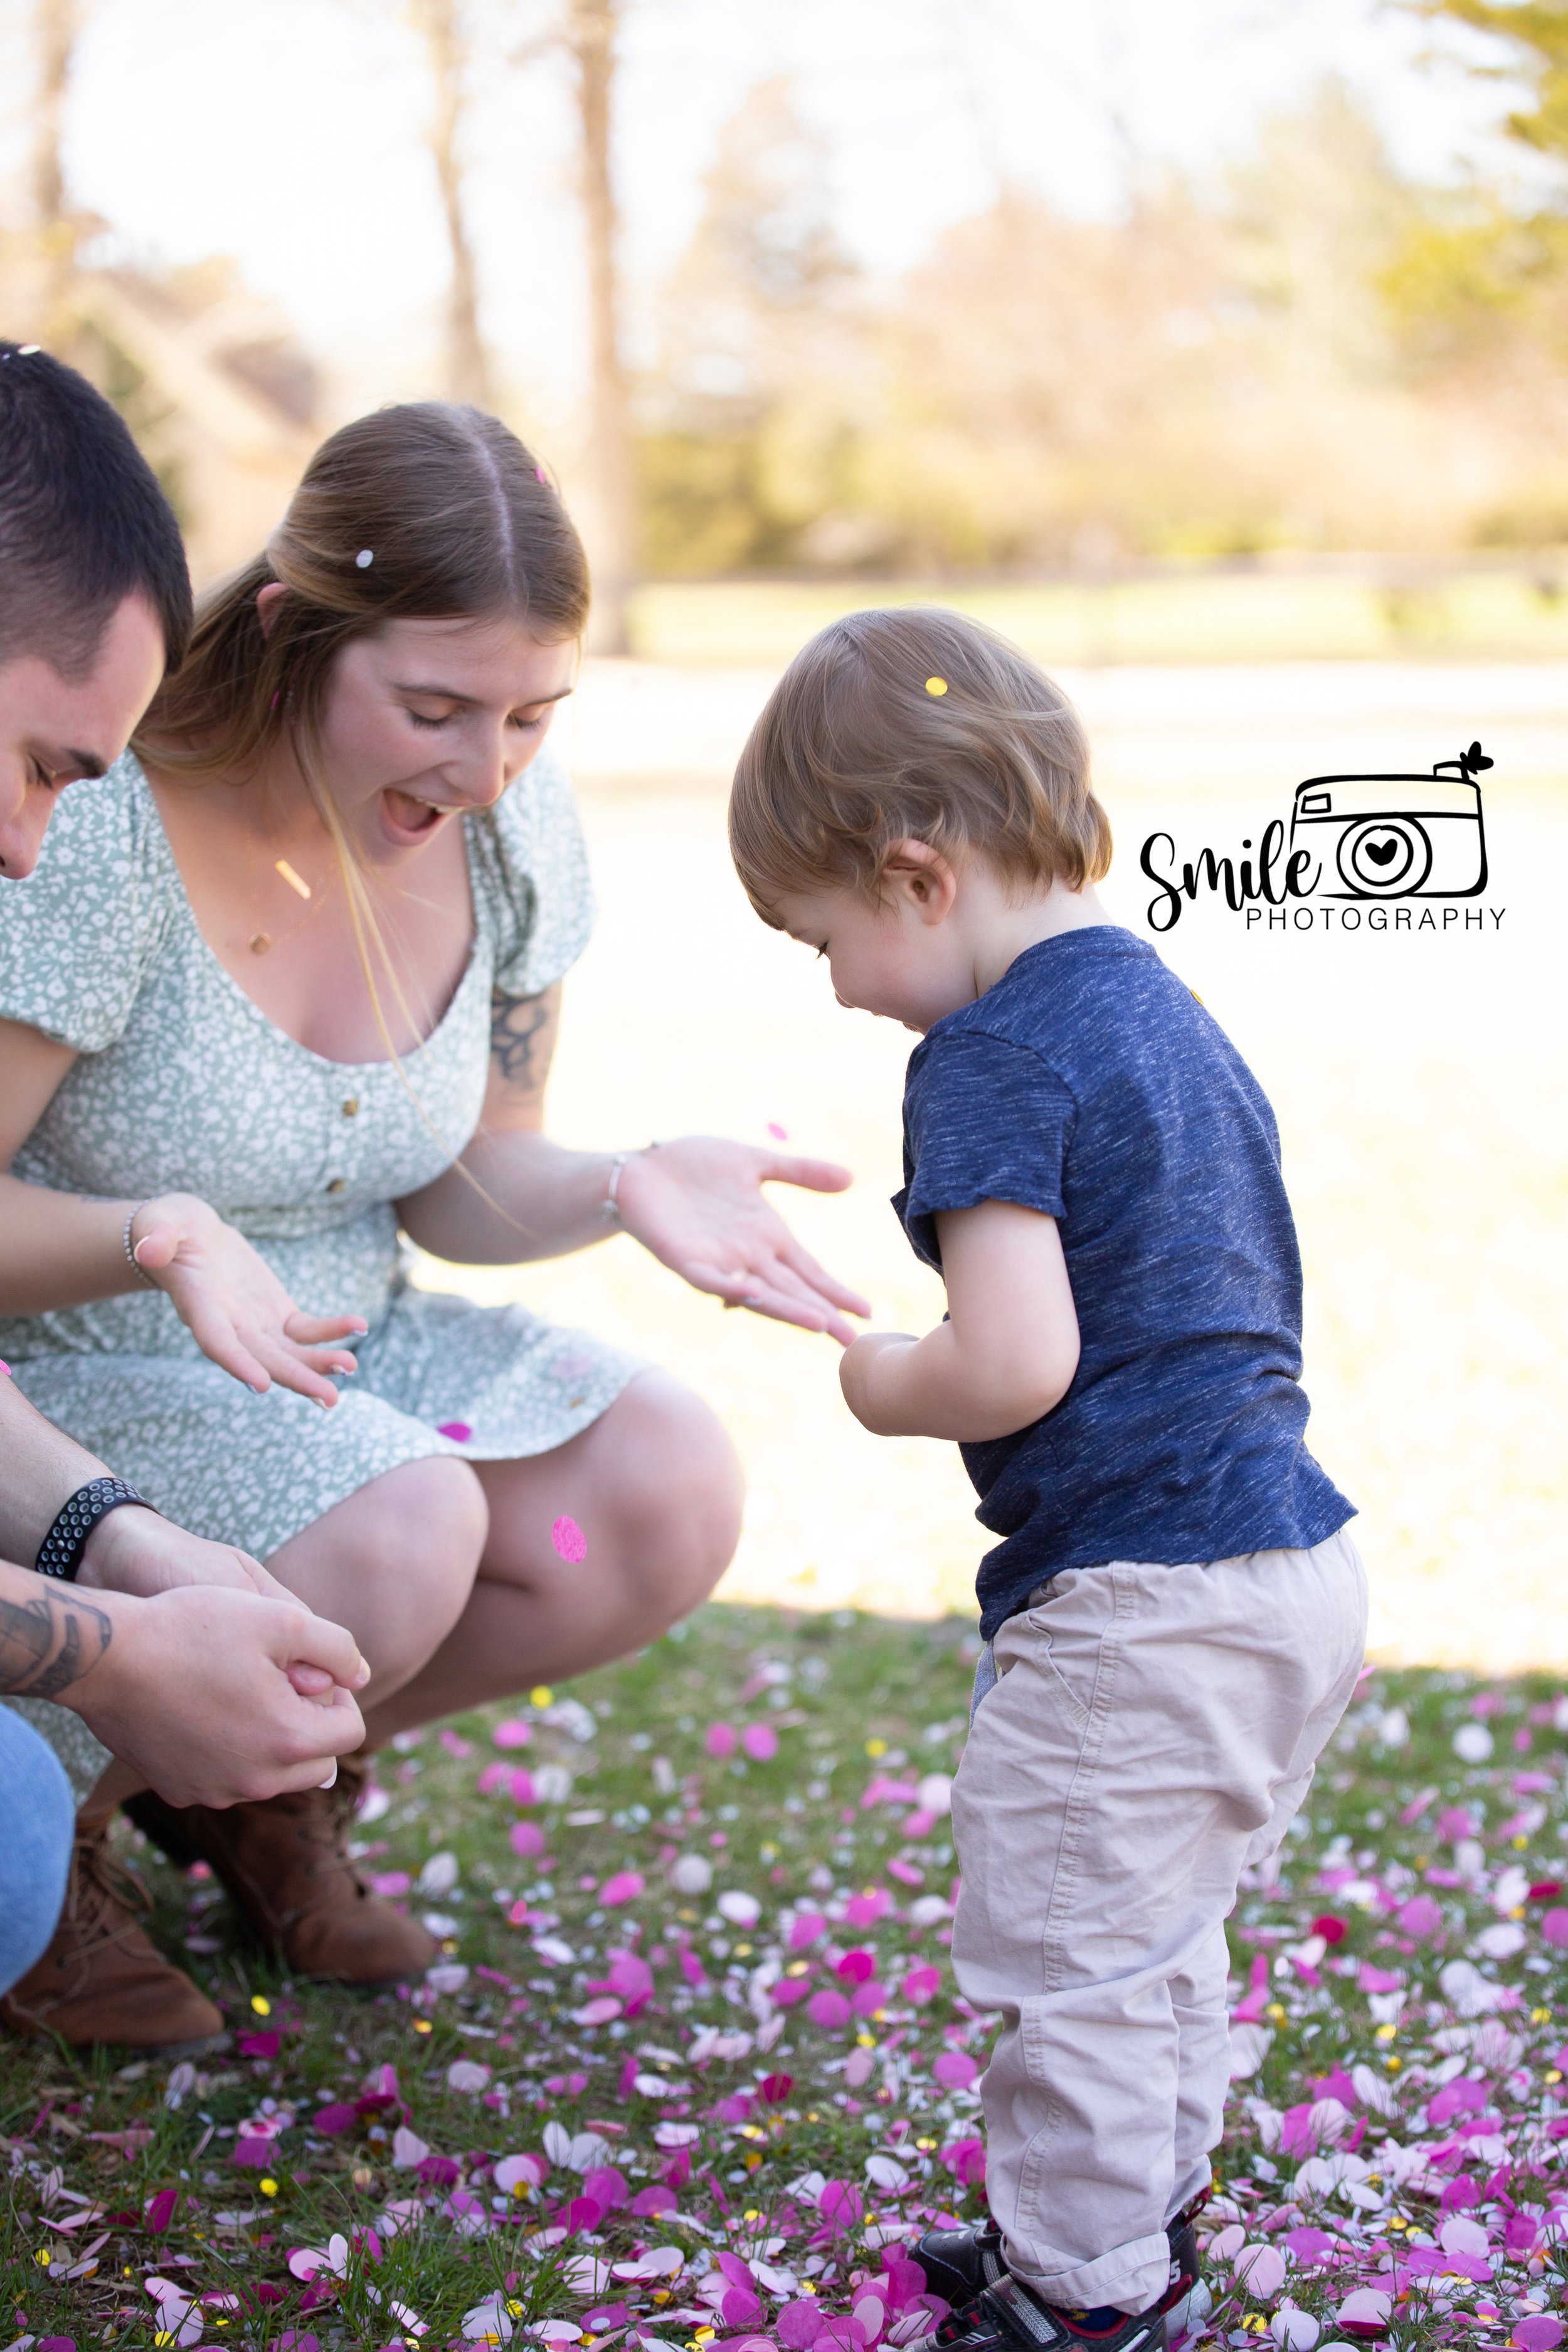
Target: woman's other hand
[(232, 1303), (697, 1205)]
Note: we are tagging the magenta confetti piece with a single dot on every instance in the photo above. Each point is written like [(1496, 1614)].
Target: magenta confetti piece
[(624, 1886), (512, 1734), (457, 1431), (965, 2160), (720, 1740), (839, 2204), (955, 2070), (780, 1134), (760, 1741), (527, 1840), (568, 1538)]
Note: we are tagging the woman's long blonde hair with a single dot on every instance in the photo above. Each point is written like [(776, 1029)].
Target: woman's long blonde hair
[(423, 511)]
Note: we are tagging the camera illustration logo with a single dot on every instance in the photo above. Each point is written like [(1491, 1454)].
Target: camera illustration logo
[(1397, 836)]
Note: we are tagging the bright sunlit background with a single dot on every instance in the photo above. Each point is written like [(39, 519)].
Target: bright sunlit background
[(1213, 348)]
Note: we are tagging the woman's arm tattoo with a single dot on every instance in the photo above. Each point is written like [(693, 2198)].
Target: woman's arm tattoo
[(50, 1643), (522, 1036)]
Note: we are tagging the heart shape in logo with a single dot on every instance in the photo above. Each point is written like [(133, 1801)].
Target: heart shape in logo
[(1381, 853)]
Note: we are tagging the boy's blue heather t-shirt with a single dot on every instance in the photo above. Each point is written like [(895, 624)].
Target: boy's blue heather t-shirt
[(1091, 1084)]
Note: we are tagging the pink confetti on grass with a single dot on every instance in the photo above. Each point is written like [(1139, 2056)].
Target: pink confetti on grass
[(568, 1538), (457, 1431), (512, 1734), (955, 2070), (720, 1740), (761, 1741), (527, 1840), (624, 1886)]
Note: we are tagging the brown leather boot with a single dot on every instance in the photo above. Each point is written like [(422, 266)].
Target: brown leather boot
[(285, 1863), (100, 1979)]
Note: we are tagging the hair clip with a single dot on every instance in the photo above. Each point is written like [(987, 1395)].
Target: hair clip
[(936, 685), (365, 558)]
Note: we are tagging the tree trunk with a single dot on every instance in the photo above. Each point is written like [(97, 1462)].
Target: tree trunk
[(593, 38), (467, 365), (56, 23)]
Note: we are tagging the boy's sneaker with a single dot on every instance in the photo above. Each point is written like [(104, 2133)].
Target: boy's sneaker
[(1009, 2316), (959, 2262)]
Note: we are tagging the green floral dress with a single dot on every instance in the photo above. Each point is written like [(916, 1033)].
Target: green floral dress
[(181, 1084)]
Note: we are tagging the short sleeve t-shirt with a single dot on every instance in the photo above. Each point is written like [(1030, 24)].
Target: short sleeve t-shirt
[(1090, 1084)]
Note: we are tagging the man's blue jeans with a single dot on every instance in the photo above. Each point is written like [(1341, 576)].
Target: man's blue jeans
[(36, 1851)]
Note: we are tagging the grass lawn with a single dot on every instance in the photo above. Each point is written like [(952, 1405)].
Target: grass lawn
[(694, 2065), (1192, 613)]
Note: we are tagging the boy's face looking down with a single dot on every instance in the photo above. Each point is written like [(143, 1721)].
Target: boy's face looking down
[(938, 936), (54, 731)]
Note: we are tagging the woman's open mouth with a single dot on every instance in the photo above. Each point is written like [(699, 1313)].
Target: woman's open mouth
[(410, 819)]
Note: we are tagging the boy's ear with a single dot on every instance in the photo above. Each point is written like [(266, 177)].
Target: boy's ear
[(919, 878)]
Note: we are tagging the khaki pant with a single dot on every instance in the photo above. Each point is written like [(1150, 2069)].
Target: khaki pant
[(1150, 1734)]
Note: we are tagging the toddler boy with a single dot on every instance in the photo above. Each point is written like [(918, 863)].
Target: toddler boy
[(1173, 1614)]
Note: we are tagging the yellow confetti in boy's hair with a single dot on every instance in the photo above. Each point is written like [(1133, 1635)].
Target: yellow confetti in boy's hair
[(912, 724)]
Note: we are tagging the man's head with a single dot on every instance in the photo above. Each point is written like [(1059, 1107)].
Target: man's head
[(95, 599)]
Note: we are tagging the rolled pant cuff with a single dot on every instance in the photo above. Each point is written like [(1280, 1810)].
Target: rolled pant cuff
[(1131, 2277)]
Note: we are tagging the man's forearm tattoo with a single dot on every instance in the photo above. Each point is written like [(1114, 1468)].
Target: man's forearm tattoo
[(520, 1031), (48, 1643)]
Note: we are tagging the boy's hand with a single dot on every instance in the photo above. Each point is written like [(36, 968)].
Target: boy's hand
[(1006, 1355), (858, 1368)]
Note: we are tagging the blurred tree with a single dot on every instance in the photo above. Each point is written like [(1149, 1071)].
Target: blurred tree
[(1534, 35), (749, 418), (590, 30), (445, 33)]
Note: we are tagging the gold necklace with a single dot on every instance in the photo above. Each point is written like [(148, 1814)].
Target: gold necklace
[(262, 939)]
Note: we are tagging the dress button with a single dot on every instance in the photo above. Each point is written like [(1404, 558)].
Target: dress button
[(337, 1184), (351, 1106)]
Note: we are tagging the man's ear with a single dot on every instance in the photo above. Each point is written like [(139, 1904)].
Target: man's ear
[(267, 600), (919, 879)]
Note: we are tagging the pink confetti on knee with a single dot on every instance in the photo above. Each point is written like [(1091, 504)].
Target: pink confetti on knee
[(457, 1431), (570, 1541)]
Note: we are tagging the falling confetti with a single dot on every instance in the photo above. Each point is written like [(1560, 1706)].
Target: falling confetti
[(569, 1540), (780, 1134), (457, 1431), (936, 685), (365, 558)]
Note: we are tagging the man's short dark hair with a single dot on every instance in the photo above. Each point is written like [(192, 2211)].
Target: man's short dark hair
[(83, 523)]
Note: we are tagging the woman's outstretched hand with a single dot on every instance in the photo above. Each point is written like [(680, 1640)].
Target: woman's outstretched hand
[(697, 1205), (232, 1303)]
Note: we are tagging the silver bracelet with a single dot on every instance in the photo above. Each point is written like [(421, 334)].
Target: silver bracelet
[(610, 1207), (139, 1271)]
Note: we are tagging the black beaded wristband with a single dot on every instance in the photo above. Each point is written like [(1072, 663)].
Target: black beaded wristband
[(59, 1554)]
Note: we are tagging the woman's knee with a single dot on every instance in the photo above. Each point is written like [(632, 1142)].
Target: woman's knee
[(401, 1552)]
